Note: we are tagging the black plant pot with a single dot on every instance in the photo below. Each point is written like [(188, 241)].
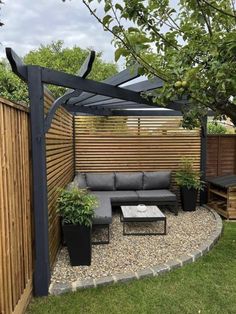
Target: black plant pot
[(78, 241), (188, 198)]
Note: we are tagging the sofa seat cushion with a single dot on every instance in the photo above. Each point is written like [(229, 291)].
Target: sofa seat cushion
[(103, 212), (129, 181), (118, 197), (156, 195), (156, 180), (100, 181)]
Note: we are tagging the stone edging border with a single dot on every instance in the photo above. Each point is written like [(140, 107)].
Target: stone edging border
[(60, 288)]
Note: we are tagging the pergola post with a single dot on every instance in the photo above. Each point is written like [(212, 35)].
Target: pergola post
[(41, 275), (203, 193)]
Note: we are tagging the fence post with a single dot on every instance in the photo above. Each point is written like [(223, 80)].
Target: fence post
[(203, 193), (39, 184)]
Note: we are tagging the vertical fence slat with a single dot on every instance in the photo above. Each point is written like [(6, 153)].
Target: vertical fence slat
[(15, 209), (6, 305)]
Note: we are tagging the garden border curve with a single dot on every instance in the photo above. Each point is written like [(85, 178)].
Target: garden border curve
[(60, 288)]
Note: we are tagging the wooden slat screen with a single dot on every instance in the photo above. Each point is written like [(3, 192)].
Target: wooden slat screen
[(15, 209), (221, 155), (60, 167), (133, 143)]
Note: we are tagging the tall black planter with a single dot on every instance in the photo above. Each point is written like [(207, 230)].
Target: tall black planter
[(188, 198), (78, 241)]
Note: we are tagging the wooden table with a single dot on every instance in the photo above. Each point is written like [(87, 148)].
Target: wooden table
[(130, 214)]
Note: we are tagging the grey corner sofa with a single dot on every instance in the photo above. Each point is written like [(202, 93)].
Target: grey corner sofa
[(126, 188)]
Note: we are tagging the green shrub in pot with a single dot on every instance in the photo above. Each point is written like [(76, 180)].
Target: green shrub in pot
[(76, 208), (189, 181)]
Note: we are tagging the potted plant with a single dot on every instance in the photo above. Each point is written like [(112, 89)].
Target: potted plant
[(76, 208), (189, 182)]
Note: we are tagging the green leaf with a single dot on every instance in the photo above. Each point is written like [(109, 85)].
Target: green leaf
[(118, 7), (120, 52), (107, 19)]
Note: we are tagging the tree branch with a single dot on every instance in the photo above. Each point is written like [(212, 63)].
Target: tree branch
[(205, 18), (136, 56), (156, 32), (218, 9)]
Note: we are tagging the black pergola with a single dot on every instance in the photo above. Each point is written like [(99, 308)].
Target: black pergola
[(84, 96)]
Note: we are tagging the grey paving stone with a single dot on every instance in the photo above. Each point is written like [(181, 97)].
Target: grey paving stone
[(103, 281), (84, 284), (214, 237), (210, 244), (204, 248), (185, 259), (196, 254), (124, 277), (60, 288), (160, 269), (173, 264), (147, 272)]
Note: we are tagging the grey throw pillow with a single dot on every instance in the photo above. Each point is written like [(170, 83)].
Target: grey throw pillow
[(156, 180), (129, 180), (80, 180), (100, 181)]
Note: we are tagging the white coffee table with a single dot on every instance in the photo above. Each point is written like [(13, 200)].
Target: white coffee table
[(131, 214)]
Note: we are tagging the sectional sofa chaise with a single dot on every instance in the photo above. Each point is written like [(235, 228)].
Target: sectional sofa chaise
[(124, 188)]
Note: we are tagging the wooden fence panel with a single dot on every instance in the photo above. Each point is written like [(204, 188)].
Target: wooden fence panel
[(15, 209), (60, 167), (221, 155), (133, 143)]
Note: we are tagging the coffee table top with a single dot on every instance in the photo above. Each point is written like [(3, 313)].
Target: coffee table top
[(150, 212)]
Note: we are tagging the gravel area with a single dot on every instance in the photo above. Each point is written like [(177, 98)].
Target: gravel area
[(185, 233)]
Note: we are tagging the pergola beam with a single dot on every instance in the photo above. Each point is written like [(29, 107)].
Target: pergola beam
[(17, 65), (129, 112), (87, 66), (118, 79), (128, 104), (137, 87), (71, 81)]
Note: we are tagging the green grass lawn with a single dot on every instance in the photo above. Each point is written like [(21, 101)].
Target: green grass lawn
[(207, 286)]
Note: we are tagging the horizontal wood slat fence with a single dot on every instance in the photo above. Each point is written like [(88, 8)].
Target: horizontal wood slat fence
[(221, 155), (60, 167), (106, 144), (15, 209)]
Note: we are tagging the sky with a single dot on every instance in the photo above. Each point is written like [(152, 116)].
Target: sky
[(29, 23)]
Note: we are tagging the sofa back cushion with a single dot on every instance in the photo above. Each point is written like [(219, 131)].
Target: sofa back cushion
[(100, 181), (156, 180), (80, 181), (129, 180)]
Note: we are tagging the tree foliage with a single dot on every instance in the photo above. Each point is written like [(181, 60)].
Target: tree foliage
[(192, 47), (53, 56), (216, 128)]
